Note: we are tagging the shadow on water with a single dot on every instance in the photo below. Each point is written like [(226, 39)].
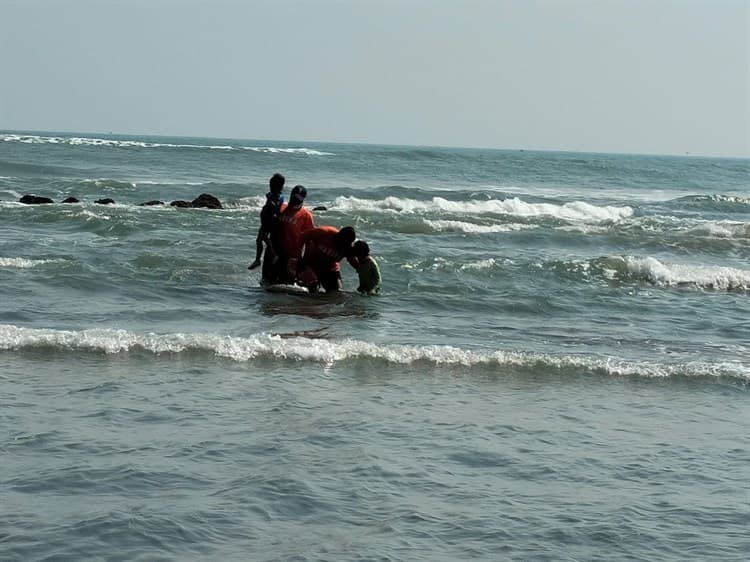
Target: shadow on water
[(317, 306)]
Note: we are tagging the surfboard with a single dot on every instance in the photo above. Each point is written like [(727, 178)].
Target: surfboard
[(288, 289)]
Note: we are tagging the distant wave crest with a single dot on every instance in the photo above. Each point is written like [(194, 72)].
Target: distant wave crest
[(330, 352), (91, 141), (715, 199)]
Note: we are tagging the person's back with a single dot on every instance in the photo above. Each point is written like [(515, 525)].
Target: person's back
[(322, 249), (271, 212)]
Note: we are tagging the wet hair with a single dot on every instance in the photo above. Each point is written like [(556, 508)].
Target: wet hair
[(361, 249), (347, 235), (299, 191), (276, 183)]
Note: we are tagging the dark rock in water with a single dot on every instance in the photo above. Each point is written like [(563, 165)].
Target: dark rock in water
[(206, 201), (35, 200), (320, 208), (150, 203), (105, 201), (71, 200)]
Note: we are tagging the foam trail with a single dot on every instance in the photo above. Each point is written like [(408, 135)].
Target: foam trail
[(23, 263), (11, 192), (331, 352), (577, 211)]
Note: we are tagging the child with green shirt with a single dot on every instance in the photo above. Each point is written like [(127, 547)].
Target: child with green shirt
[(367, 269)]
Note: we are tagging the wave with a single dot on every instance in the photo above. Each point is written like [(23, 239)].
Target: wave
[(442, 264), (23, 263), (300, 348), (489, 263), (719, 202), (91, 141), (649, 269), (702, 276), (722, 229), (24, 169), (577, 211), (471, 228), (13, 193), (108, 184)]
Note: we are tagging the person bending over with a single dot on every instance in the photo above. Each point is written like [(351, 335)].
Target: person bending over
[(322, 250)]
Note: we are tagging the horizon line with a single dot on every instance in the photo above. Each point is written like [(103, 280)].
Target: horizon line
[(686, 154)]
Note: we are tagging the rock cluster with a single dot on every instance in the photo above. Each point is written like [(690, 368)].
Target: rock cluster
[(203, 201)]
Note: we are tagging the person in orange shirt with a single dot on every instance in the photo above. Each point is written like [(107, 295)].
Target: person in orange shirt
[(322, 250), (294, 220)]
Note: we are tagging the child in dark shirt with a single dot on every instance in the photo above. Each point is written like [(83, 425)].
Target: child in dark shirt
[(269, 221)]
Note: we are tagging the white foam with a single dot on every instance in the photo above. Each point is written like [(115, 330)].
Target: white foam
[(724, 199), (23, 263), (577, 211), (110, 183), (489, 263), (274, 150), (471, 228), (706, 276), (583, 228), (440, 264), (722, 229), (331, 352), (89, 141), (90, 215)]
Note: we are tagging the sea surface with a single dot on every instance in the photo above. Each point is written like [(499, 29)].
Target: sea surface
[(557, 367)]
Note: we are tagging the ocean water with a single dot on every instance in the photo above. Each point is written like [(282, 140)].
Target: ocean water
[(557, 367)]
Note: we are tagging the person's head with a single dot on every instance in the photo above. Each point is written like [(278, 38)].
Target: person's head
[(276, 183), (345, 238), (297, 196), (361, 249)]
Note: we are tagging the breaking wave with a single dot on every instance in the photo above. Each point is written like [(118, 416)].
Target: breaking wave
[(656, 272), (703, 276), (471, 228), (722, 229), (726, 203), (577, 211), (298, 348)]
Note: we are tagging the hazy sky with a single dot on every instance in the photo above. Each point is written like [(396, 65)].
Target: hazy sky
[(646, 76)]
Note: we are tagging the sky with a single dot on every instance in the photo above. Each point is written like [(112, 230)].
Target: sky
[(624, 76)]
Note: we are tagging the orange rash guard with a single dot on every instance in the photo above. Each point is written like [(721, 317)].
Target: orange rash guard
[(321, 253), (293, 222)]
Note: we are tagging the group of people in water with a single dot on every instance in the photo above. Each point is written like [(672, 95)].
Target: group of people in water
[(293, 251)]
